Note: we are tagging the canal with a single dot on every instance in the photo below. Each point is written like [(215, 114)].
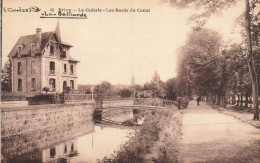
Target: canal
[(87, 141)]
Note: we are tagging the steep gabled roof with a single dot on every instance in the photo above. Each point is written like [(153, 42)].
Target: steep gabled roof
[(25, 42)]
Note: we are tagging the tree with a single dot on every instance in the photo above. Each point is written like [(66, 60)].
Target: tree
[(103, 87), (125, 92), (170, 89), (85, 88), (251, 60), (236, 77), (156, 85), (6, 80), (198, 68), (216, 7), (67, 89), (106, 90), (138, 87), (46, 89)]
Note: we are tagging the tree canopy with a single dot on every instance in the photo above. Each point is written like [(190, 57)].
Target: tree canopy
[(6, 80), (251, 26)]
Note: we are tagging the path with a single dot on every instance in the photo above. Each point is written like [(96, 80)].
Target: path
[(209, 136)]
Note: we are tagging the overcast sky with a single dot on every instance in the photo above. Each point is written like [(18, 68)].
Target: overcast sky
[(115, 46)]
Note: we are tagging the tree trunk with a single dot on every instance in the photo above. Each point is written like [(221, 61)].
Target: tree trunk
[(233, 99), (218, 98), (210, 99), (241, 102), (223, 100), (187, 84), (238, 98), (251, 63), (246, 103)]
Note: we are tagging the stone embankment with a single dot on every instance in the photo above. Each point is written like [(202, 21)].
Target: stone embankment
[(18, 120), (27, 128)]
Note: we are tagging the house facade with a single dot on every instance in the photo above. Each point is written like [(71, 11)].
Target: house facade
[(42, 60)]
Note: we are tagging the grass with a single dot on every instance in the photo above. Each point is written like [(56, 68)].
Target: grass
[(134, 150)]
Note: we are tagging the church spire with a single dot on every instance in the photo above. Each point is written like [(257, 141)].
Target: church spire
[(133, 81)]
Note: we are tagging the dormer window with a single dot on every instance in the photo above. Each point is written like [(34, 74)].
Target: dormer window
[(19, 49), (51, 50), (64, 54), (33, 47)]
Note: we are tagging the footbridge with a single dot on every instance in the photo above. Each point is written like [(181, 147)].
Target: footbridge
[(111, 114)]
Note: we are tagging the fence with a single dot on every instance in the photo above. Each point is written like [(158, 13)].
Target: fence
[(12, 97)]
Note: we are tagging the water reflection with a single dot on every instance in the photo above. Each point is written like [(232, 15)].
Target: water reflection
[(128, 117), (76, 142), (28, 147), (61, 152)]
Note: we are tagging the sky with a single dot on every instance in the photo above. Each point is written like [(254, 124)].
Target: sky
[(115, 46)]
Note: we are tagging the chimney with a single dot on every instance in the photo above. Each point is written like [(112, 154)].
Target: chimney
[(38, 37)]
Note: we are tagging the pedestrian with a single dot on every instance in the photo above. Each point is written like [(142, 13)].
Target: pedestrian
[(198, 100)]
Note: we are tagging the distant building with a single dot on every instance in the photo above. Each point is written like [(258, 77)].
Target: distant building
[(42, 60)]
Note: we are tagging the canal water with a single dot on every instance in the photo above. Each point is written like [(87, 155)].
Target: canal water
[(78, 142)]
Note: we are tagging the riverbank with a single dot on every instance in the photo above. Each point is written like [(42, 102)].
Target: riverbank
[(154, 141), (167, 147)]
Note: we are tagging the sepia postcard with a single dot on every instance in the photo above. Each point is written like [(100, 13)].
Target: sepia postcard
[(130, 81)]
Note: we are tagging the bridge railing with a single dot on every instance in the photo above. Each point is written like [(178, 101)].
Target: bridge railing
[(155, 102), (169, 103)]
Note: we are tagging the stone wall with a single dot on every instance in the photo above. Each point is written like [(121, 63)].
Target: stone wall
[(16, 147), (30, 128), (19, 120), (38, 127)]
